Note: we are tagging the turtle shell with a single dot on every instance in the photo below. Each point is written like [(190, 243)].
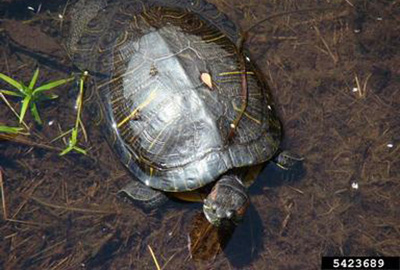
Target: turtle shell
[(168, 124)]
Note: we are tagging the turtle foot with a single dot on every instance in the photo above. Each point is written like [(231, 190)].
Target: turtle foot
[(287, 160), (227, 201), (143, 195)]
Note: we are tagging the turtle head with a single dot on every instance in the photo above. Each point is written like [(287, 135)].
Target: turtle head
[(227, 201)]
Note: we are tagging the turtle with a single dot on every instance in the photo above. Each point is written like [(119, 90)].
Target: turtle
[(179, 100)]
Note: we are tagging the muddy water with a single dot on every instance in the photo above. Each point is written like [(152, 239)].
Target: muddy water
[(334, 76)]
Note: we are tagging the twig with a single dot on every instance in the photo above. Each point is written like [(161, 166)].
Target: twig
[(3, 198), (154, 257), (27, 142), (364, 89), (279, 14), (28, 193), (74, 209), (62, 15), (61, 262), (296, 189), (348, 2), (6, 62), (170, 259), (358, 85), (334, 58), (28, 222), (48, 249)]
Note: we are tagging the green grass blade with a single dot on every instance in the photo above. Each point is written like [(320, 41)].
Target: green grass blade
[(48, 97), (51, 85), (11, 81), (11, 93), (35, 113), (70, 148), (34, 79), (25, 90), (79, 150), (66, 151), (24, 107), (12, 130), (61, 135), (74, 136)]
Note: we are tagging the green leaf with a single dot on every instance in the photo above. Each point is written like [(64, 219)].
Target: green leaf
[(11, 93), (51, 85), (24, 107), (34, 79), (35, 113), (11, 81), (13, 130)]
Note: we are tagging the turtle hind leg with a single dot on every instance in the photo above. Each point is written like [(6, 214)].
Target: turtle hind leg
[(287, 160), (143, 195), (290, 166)]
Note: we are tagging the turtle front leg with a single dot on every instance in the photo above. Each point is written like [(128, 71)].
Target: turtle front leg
[(227, 201)]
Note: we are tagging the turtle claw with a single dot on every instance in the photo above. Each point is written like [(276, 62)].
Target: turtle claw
[(209, 204)]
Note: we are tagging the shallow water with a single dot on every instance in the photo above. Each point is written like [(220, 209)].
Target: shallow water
[(334, 77)]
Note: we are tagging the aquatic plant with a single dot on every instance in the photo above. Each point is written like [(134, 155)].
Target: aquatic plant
[(30, 95), (73, 140), (11, 130)]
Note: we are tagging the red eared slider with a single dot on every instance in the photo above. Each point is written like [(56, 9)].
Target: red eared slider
[(180, 104)]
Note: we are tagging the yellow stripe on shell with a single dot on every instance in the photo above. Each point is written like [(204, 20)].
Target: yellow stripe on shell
[(235, 73), (214, 39), (247, 114), (159, 134), (149, 99)]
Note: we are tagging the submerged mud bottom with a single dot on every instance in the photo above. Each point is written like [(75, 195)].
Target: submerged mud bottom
[(333, 77)]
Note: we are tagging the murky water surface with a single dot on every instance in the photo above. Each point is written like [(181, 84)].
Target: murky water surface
[(334, 76)]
